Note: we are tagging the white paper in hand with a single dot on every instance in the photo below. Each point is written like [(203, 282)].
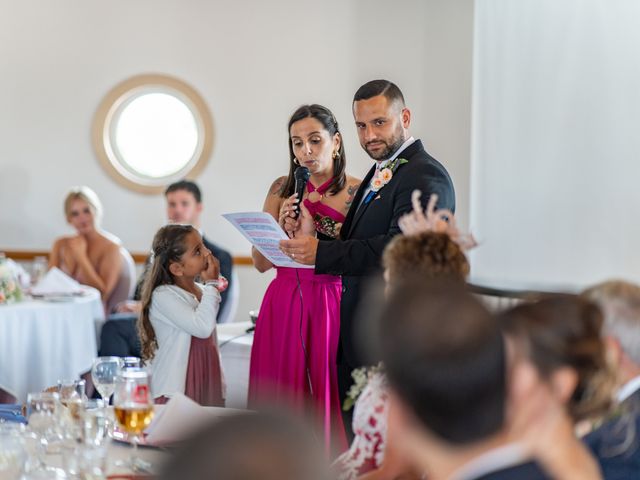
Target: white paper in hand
[(265, 234), (56, 282), (175, 420)]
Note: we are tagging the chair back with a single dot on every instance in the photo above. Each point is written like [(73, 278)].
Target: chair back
[(126, 282), (228, 313)]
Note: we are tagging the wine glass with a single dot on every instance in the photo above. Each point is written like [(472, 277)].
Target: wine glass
[(43, 410), (104, 373), (38, 269), (133, 408)]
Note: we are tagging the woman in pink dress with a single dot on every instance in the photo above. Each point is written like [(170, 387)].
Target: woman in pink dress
[(296, 339)]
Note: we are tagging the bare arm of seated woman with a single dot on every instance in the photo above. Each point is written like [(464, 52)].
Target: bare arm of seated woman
[(272, 205), (56, 257)]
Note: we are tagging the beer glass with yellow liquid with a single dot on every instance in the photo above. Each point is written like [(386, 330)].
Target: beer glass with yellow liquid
[(133, 407)]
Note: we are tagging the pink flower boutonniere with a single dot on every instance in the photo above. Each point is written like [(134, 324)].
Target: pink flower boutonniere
[(384, 176)]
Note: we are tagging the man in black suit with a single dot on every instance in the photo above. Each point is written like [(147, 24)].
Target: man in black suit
[(616, 444), (382, 121), (184, 205), (445, 359)]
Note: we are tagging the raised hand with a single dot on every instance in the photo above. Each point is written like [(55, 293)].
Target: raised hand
[(287, 213), (296, 227), (432, 220), (212, 268)]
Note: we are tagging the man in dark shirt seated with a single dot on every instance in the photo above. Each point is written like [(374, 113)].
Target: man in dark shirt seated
[(119, 336)]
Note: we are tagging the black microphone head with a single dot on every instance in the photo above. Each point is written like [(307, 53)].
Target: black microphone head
[(302, 174)]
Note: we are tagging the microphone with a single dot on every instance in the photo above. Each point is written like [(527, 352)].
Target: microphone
[(301, 176)]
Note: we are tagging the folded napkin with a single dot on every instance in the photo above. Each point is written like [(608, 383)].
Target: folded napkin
[(56, 282), (179, 418)]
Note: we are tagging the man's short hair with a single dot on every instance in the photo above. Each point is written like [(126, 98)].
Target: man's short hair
[(445, 358), (620, 304), (379, 87), (187, 185)]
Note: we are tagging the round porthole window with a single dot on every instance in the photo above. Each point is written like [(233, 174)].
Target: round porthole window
[(152, 130)]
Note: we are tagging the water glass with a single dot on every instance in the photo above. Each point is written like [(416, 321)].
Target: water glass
[(38, 269), (43, 412), (104, 373), (87, 458), (13, 454)]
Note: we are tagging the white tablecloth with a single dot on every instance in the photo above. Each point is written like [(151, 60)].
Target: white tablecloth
[(42, 342), (235, 350)]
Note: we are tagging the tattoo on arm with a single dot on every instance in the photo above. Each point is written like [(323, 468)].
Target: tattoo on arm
[(351, 192), (276, 187)]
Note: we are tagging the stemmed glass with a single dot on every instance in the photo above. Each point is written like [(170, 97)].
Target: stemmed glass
[(44, 418), (133, 407), (104, 373)]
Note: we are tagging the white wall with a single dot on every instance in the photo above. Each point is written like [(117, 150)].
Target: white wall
[(555, 158), (254, 62)]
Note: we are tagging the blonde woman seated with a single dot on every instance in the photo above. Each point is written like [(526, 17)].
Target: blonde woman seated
[(92, 257)]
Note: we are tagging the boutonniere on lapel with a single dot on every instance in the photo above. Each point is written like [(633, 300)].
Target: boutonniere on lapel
[(382, 177)]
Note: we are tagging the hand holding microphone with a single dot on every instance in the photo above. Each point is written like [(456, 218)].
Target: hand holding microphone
[(291, 207)]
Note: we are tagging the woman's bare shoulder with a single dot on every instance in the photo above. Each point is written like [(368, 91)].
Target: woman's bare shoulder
[(277, 186), (61, 241), (109, 243), (351, 187), (353, 181)]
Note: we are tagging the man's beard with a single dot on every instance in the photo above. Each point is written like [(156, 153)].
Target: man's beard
[(391, 148)]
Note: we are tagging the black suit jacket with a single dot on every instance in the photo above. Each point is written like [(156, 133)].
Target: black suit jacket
[(607, 443), (367, 230), (226, 268)]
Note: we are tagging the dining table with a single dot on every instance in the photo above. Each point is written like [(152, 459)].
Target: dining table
[(47, 339)]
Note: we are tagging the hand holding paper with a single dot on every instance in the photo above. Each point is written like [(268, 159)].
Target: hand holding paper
[(265, 234)]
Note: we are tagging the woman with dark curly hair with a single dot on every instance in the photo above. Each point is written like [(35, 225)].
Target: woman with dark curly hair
[(422, 255)]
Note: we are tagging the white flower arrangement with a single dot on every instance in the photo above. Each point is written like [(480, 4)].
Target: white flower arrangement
[(10, 290), (361, 377)]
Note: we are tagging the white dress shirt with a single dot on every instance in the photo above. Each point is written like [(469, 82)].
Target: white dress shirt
[(176, 316), (628, 389), (491, 461)]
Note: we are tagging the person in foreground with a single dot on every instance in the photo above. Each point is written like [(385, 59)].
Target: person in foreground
[(255, 446), (296, 338), (563, 378), (616, 444), (401, 166), (446, 362), (178, 318), (428, 249), (92, 256)]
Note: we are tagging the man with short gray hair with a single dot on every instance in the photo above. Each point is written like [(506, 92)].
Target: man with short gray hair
[(616, 443)]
